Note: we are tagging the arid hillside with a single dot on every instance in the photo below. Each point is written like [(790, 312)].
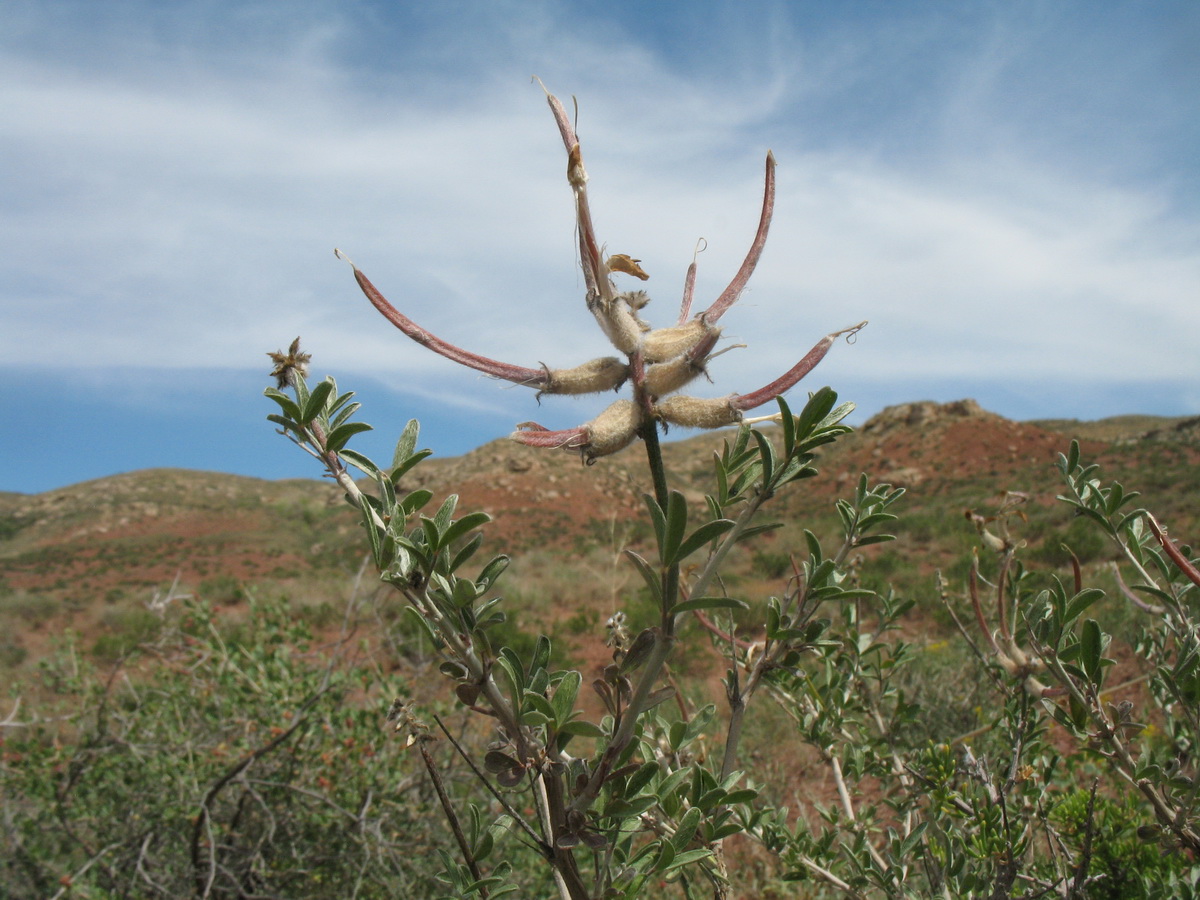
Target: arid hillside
[(93, 555)]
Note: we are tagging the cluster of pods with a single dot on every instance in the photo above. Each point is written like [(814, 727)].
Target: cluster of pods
[(658, 362)]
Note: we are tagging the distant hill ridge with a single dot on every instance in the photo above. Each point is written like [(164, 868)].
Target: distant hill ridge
[(125, 533)]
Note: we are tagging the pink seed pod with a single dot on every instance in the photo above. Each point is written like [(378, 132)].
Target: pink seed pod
[(531, 434), (742, 278), (612, 430), (493, 367), (667, 343), (695, 412), (789, 379), (605, 374)]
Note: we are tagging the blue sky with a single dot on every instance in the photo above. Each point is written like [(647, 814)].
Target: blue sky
[(1008, 191)]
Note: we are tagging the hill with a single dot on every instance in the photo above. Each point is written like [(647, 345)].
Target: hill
[(92, 555)]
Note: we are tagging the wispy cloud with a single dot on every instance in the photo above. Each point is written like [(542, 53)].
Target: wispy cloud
[(175, 180)]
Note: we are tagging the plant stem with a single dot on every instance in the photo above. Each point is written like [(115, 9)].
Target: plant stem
[(655, 461)]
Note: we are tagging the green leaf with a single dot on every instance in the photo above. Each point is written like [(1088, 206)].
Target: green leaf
[(754, 530), (398, 472), (874, 539), (709, 603), (639, 779), (657, 518), (406, 444), (467, 523), (1090, 649), (415, 500), (649, 575), (671, 783), (581, 728), (284, 422), (315, 404), (620, 808), (423, 626), (373, 534), (686, 829), (542, 706), (466, 551), (489, 574), (360, 462), (286, 403), (766, 455), (345, 414), (639, 650), (748, 476), (675, 527), (817, 408), (445, 513), (687, 858), (563, 700), (338, 438), (1071, 462), (787, 422), (1079, 603), (706, 533)]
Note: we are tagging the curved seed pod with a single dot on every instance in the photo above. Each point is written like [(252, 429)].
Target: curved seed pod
[(531, 434), (612, 430), (742, 278), (667, 343), (789, 379), (695, 412), (493, 367), (689, 283), (605, 374)]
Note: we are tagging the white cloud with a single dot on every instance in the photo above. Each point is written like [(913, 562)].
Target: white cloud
[(164, 216)]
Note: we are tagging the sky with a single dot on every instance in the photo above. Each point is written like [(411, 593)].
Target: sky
[(1009, 192)]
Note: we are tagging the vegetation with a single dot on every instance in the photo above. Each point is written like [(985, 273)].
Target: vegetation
[(436, 740)]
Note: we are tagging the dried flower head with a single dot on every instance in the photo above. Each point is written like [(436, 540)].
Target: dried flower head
[(287, 365), (658, 362)]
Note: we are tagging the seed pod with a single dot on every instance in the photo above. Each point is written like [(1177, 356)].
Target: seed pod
[(493, 367), (668, 377), (605, 374), (742, 278), (694, 412), (531, 434), (619, 323), (612, 430), (667, 343), (789, 378)]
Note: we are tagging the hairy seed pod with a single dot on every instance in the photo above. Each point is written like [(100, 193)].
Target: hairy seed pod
[(667, 343), (619, 323), (612, 430), (605, 374), (668, 377), (694, 412)]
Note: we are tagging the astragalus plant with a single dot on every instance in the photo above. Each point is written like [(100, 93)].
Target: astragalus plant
[(1059, 791), (624, 801)]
